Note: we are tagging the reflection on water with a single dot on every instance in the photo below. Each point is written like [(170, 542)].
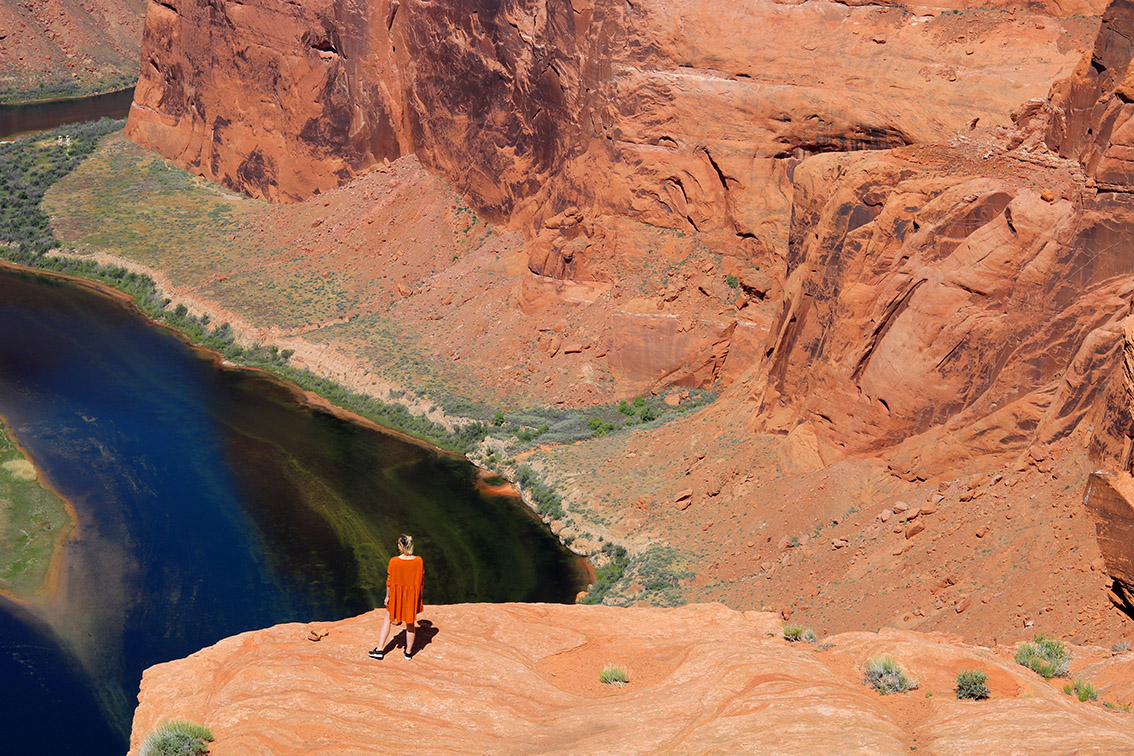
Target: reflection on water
[(16, 120), (210, 502)]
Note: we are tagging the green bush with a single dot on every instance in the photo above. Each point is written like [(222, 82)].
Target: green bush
[(797, 633), (599, 427), (625, 408), (1045, 656), (614, 675), (607, 576), (732, 281), (885, 676), (1082, 690), (547, 501), (177, 738), (971, 684)]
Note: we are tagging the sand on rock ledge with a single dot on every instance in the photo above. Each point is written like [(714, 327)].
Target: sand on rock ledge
[(705, 679)]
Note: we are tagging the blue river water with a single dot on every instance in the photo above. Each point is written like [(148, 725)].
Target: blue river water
[(212, 501)]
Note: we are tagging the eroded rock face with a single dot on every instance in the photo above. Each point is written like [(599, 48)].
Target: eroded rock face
[(957, 301), (704, 679), (1110, 500), (1092, 109), (688, 116), (567, 118)]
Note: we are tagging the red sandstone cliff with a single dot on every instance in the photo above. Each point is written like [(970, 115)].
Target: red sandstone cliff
[(688, 116), (511, 679), (955, 303), (575, 120)]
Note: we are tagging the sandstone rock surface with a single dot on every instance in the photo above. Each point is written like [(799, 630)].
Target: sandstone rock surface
[(84, 44), (704, 679), (686, 115)]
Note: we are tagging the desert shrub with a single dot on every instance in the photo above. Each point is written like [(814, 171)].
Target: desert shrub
[(732, 281), (625, 408), (660, 570), (599, 427), (547, 501), (1082, 690), (797, 633), (971, 684), (609, 574), (28, 168), (614, 675), (177, 738), (1120, 648), (1045, 656), (885, 676)]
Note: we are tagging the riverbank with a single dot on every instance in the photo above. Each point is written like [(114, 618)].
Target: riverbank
[(107, 269), (36, 522), (19, 119), (75, 97)]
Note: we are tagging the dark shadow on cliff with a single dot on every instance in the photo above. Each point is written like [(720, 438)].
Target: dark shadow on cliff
[(425, 634)]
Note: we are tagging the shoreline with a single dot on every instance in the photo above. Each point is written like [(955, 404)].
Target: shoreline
[(243, 332), (322, 361), (47, 592), (75, 98)]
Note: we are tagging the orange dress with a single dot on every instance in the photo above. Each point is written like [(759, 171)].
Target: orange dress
[(404, 578)]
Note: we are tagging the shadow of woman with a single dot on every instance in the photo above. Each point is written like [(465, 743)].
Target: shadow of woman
[(424, 635)]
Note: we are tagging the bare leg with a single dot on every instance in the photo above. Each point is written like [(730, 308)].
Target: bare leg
[(382, 636), (411, 634)]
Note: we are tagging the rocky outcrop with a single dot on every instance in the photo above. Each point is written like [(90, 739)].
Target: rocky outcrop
[(1110, 500), (966, 299), (1092, 109), (50, 48), (961, 296), (510, 679)]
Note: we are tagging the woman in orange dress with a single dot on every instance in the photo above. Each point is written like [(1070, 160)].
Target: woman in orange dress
[(404, 580)]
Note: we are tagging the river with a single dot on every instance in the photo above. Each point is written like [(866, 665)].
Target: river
[(17, 120), (212, 501)]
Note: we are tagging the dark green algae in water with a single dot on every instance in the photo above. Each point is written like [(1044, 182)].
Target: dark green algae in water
[(214, 501)]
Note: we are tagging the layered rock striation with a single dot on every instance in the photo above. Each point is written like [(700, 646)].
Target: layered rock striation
[(511, 679), (688, 116), (576, 121)]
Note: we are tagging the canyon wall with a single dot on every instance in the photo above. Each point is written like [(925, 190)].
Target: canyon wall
[(583, 122), (950, 284), (687, 116)]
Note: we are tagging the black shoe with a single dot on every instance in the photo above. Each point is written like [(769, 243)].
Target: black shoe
[(376, 654), (407, 653)]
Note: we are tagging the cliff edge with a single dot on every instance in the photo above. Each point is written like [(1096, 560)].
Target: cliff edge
[(523, 678)]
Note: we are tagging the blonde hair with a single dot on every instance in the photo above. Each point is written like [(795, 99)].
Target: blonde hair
[(405, 544)]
